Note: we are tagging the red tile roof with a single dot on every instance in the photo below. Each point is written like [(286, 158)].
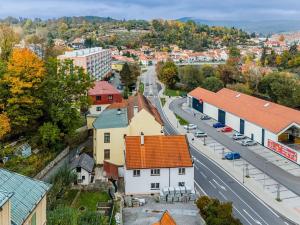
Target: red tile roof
[(143, 103), (166, 219), (268, 115), (111, 170), (158, 151), (103, 87)]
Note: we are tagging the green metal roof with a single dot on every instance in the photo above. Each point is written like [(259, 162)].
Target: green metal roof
[(4, 197), (111, 118), (27, 193)]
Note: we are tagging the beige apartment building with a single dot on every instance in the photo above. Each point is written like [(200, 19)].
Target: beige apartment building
[(96, 61)]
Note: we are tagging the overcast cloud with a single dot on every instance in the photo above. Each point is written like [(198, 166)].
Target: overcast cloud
[(251, 10)]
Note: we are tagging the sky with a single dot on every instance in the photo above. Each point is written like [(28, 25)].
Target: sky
[(246, 10)]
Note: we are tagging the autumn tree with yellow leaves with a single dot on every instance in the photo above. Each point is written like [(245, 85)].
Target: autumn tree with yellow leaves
[(21, 81)]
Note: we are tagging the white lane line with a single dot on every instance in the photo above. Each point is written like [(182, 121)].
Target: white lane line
[(226, 199), (196, 167), (233, 190), (255, 220), (242, 215), (286, 223), (203, 175), (200, 188), (221, 186), (212, 184)]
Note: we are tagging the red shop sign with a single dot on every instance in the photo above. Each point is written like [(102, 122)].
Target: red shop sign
[(282, 150)]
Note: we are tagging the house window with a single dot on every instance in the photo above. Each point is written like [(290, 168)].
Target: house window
[(98, 97), (110, 97), (83, 178), (106, 137), (32, 220), (181, 171), (78, 169), (106, 154), (98, 108), (181, 184), (155, 172), (154, 186), (136, 173)]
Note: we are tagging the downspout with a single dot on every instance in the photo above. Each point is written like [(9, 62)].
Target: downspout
[(169, 177)]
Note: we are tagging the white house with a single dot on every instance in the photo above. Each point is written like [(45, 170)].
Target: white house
[(272, 125), (156, 161), (83, 166)]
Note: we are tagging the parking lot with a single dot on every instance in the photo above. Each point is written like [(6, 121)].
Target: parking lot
[(269, 184)]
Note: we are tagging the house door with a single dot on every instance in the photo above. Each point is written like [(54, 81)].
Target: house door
[(221, 116), (196, 104), (242, 126)]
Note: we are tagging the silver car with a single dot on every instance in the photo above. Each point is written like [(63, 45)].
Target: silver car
[(190, 126), (249, 143), (238, 136), (200, 133)]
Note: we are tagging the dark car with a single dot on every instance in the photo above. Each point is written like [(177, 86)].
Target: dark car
[(232, 156), (218, 125)]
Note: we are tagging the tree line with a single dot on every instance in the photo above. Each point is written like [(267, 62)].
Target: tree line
[(40, 98)]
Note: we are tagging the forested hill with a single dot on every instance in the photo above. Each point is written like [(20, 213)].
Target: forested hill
[(130, 33)]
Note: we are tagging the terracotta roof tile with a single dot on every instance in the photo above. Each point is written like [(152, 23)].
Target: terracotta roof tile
[(143, 103), (103, 87), (166, 219), (268, 115), (158, 151)]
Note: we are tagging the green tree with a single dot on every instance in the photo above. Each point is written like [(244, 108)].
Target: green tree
[(64, 92), (190, 76), (49, 134), (168, 74), (213, 84), (208, 71), (8, 38), (240, 87), (129, 74)]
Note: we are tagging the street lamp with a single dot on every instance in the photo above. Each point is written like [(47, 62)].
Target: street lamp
[(204, 143), (223, 153)]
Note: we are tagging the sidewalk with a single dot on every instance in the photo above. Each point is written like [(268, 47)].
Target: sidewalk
[(292, 212)]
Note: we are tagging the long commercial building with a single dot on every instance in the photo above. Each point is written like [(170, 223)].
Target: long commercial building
[(272, 125), (96, 61)]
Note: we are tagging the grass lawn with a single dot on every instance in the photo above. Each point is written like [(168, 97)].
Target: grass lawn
[(90, 199), (181, 120), (172, 92), (163, 101)]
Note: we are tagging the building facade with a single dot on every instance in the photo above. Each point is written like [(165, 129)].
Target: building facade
[(272, 125), (118, 120), (95, 61), (154, 162)]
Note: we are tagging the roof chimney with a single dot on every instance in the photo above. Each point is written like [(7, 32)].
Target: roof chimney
[(142, 138), (135, 110)]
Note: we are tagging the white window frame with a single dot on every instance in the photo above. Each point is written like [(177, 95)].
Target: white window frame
[(136, 173), (155, 172), (156, 186), (181, 171)]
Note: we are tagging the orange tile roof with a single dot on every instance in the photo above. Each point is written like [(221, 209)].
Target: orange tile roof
[(143, 103), (166, 219), (158, 151), (266, 114)]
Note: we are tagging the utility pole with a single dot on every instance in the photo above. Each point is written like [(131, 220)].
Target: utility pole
[(204, 143), (223, 153)]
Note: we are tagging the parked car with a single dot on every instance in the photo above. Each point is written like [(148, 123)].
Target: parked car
[(205, 117), (232, 156), (249, 143), (218, 125), (200, 133), (238, 136), (226, 129), (190, 126)]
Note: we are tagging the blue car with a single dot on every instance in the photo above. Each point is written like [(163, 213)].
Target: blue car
[(232, 156), (218, 125)]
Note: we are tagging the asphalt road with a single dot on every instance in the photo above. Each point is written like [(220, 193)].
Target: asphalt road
[(212, 180), (290, 181)]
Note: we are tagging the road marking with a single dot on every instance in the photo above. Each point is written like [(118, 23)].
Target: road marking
[(196, 167), (242, 215), (234, 191), (212, 184), (256, 221), (221, 186), (226, 199), (200, 188), (286, 223), (203, 175)]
